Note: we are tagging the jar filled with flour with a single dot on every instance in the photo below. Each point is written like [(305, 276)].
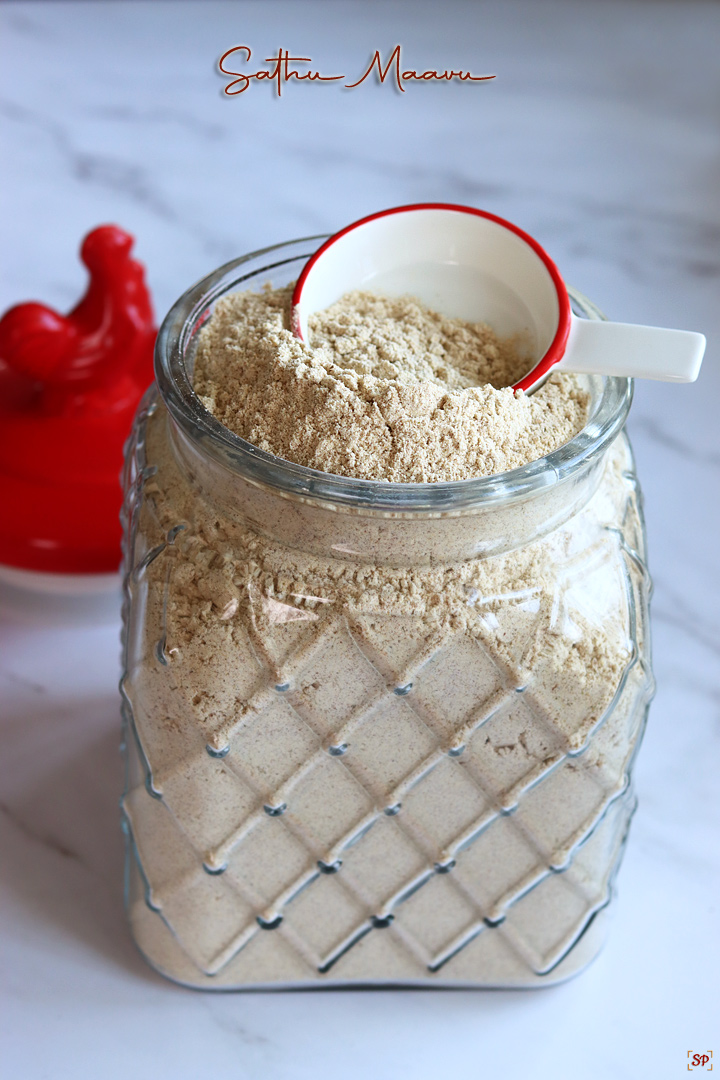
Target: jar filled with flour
[(386, 647)]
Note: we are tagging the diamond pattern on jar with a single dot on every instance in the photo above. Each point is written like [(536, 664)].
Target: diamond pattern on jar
[(511, 749), (545, 922), (188, 907), (500, 863), (165, 853), (338, 681), (443, 804), (271, 746), (326, 803), (387, 746), (437, 914), (560, 809), (207, 823), (267, 861), (325, 914), (382, 863), (454, 685), (396, 645)]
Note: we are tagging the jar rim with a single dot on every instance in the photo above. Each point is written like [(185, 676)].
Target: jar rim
[(197, 423)]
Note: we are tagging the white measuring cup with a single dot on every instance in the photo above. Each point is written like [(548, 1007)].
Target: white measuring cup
[(473, 265)]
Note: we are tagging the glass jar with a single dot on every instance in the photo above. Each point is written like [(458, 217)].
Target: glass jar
[(375, 733)]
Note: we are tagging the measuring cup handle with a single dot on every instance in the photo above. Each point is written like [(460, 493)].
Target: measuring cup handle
[(624, 349)]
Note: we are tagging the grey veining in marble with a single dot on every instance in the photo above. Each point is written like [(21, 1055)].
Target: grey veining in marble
[(600, 136)]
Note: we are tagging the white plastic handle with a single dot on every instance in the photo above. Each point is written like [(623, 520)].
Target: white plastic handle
[(626, 349)]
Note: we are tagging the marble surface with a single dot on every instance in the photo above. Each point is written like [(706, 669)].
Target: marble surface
[(599, 136)]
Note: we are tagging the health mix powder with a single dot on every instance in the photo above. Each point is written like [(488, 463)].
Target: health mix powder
[(389, 390)]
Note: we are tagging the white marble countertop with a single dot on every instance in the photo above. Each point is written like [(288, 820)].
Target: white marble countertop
[(599, 136)]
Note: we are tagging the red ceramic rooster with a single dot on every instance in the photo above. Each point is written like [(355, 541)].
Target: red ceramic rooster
[(69, 386)]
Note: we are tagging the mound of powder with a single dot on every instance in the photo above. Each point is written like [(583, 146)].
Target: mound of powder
[(389, 390)]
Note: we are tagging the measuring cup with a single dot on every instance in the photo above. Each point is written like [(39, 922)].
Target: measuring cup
[(473, 265)]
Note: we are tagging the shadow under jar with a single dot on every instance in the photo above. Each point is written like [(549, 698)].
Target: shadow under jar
[(375, 733)]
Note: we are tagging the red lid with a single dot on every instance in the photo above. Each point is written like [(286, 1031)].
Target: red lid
[(69, 387)]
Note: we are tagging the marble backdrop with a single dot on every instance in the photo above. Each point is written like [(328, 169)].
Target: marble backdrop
[(599, 135)]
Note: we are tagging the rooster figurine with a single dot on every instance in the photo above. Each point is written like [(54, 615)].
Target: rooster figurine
[(69, 387)]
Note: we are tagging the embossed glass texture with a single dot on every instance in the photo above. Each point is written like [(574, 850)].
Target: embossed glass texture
[(448, 812)]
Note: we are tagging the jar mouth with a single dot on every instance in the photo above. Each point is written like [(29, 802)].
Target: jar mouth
[(174, 352)]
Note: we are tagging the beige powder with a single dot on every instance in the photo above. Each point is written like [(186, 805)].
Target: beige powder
[(281, 654), (389, 390)]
